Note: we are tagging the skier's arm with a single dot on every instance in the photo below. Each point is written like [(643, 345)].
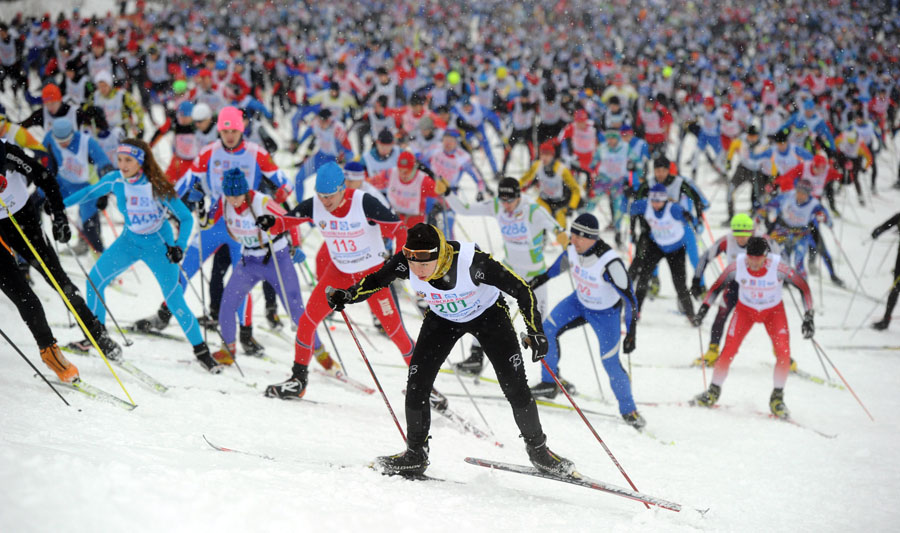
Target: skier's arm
[(98, 157), (719, 247), (790, 276), (726, 277), (558, 267), (19, 161), (185, 220), (394, 268), (484, 208), (569, 180), (617, 275), (94, 192), (378, 213), (528, 178), (695, 197), (486, 269), (303, 211)]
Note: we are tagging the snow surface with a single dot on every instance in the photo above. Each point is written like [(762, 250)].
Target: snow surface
[(95, 467)]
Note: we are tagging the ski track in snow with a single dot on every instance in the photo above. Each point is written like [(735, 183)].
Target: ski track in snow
[(94, 467)]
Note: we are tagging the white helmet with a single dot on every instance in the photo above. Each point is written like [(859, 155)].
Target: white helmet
[(201, 112)]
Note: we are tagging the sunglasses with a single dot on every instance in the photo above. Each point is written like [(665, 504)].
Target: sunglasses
[(420, 255)]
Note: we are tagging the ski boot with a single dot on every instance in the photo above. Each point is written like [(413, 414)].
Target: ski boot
[(249, 344), (293, 388), (201, 352), (776, 404), (793, 365), (474, 364), (53, 358), (411, 462), (272, 316), (837, 281), (324, 358), (710, 357), (111, 348), (882, 324), (157, 322), (549, 390), (548, 462), (709, 397), (225, 356), (378, 327), (635, 420), (208, 322), (653, 287), (437, 400)]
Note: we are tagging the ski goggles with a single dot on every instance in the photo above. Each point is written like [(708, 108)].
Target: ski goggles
[(133, 151), (421, 256)]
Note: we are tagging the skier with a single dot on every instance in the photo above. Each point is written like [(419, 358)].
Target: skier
[(331, 137), (354, 226), (409, 187), (145, 197), (73, 152), (471, 117), (258, 224), (559, 192), (462, 286), (611, 166), (602, 288), (755, 167), (662, 236), (759, 278), (893, 222), (742, 228), (17, 170), (523, 225)]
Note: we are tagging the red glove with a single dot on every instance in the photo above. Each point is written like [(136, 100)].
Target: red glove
[(282, 194)]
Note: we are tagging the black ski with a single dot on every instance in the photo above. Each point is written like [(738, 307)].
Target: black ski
[(580, 480)]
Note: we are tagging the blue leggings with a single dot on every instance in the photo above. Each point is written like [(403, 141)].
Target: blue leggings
[(570, 313), (690, 244), (485, 144), (713, 141), (213, 238), (151, 249)]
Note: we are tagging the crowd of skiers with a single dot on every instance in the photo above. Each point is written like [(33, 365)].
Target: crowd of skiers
[(389, 107)]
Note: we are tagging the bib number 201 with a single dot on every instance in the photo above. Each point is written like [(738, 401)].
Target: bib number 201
[(451, 307)]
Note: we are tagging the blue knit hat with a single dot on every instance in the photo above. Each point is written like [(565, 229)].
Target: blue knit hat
[(234, 182), (329, 178), (63, 129), (658, 193)]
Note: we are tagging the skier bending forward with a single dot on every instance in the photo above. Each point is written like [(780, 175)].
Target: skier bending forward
[(461, 285)]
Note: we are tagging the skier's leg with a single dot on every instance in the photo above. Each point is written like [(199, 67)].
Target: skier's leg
[(167, 274), (606, 325), (741, 322), (777, 327), (115, 260), (564, 316), (384, 307), (244, 275), (679, 278)]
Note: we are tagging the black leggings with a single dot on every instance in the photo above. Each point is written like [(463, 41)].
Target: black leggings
[(646, 258), (495, 332), (895, 291), (15, 287), (729, 300), (28, 220)]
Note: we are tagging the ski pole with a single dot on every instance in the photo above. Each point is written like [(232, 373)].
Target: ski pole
[(99, 296), (472, 398), (584, 418), (858, 286), (65, 298), (838, 372), (702, 361), (202, 277), (277, 269), (337, 352), (849, 264), (587, 342), (387, 403), (16, 348), (797, 307), (711, 239)]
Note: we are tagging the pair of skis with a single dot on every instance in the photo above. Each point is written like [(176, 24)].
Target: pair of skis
[(576, 478)]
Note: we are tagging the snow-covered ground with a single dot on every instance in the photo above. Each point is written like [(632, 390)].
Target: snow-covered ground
[(95, 467)]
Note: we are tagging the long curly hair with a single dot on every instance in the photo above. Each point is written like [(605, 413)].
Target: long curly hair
[(161, 186)]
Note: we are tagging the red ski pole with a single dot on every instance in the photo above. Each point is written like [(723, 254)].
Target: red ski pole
[(838, 372), (372, 371), (578, 409)]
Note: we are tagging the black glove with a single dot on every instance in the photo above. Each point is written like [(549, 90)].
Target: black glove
[(338, 298), (696, 289), (479, 197), (538, 280), (808, 328), (265, 222), (628, 343), (700, 314), (102, 202), (61, 231), (875, 233), (174, 253), (538, 344)]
